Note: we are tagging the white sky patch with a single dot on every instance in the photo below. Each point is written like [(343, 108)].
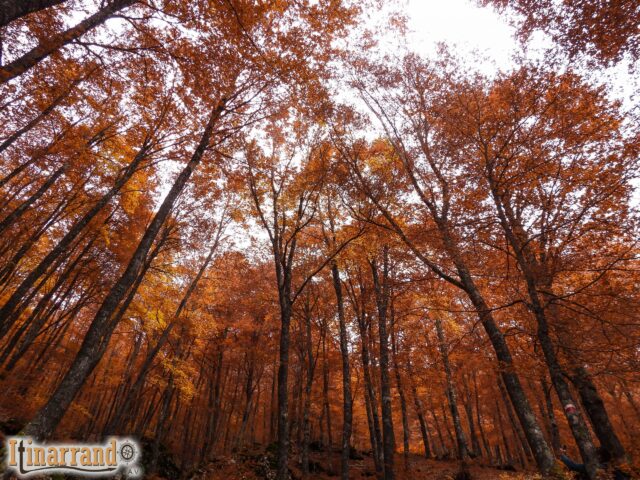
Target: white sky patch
[(462, 24)]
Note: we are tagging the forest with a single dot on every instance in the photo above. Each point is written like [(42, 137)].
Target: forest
[(259, 241)]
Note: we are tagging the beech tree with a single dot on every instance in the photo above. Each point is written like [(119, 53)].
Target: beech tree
[(230, 230)]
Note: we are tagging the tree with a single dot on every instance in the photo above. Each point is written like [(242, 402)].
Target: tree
[(603, 31)]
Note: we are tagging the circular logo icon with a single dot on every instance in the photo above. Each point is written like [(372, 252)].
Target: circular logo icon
[(127, 452)]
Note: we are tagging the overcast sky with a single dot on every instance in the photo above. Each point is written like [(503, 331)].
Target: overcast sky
[(468, 27), (460, 23)]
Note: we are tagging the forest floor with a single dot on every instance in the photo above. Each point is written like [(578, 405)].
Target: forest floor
[(326, 466)]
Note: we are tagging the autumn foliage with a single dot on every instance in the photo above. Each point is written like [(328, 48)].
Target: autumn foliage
[(206, 245)]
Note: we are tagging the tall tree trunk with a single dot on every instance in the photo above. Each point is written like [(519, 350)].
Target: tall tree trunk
[(529, 266), (485, 442), (12, 308), (403, 400), (160, 425), (36, 120), (445, 420), (535, 437), (553, 424), (97, 337), (468, 407), (382, 293), (461, 441), (248, 397), (46, 47), (7, 271), (283, 392), (346, 374), (595, 409), (370, 396), (514, 425), (503, 434), (574, 418), (325, 386), (15, 215), (419, 412), (306, 426), (33, 325), (443, 446), (11, 10)]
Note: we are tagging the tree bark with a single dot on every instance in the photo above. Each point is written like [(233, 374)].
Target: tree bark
[(461, 441), (35, 121), (419, 412), (97, 338), (529, 266), (11, 10), (403, 400), (503, 433), (306, 423), (443, 446), (34, 56), (382, 293), (11, 309), (439, 213), (512, 420), (468, 407), (553, 424), (370, 396), (22, 208), (485, 442), (325, 386), (346, 375), (595, 409)]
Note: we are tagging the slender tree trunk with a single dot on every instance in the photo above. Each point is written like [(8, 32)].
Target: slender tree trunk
[(36, 156), (468, 407), (485, 442), (574, 418), (97, 338), (376, 438), (553, 424), (419, 412), (443, 446), (461, 441), (346, 375), (382, 291), (22, 208), (160, 425), (512, 420), (529, 265), (36, 321), (535, 437), (306, 437), (7, 271), (595, 409), (403, 400), (34, 56), (325, 386), (445, 420), (11, 309), (248, 397), (283, 393), (11, 10), (503, 433), (38, 118)]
